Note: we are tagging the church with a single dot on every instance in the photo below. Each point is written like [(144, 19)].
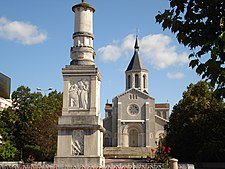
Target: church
[(134, 119), (133, 122)]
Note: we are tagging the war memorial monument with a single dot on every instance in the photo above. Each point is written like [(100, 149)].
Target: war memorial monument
[(80, 129)]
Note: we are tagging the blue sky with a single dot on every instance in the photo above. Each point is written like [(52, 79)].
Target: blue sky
[(36, 36)]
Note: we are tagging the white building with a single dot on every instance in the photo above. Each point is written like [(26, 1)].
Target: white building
[(5, 103)]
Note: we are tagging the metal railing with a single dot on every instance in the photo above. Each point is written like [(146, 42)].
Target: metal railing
[(111, 166)]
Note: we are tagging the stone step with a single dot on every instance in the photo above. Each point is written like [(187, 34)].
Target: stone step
[(126, 152)]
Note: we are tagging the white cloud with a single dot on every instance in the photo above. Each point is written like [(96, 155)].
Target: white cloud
[(128, 43), (115, 50), (22, 32), (175, 75), (110, 53), (156, 49), (160, 52)]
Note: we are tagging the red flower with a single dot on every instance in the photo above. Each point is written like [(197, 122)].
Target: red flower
[(163, 148), (168, 150), (152, 150)]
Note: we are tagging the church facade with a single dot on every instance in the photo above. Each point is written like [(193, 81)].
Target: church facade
[(134, 119)]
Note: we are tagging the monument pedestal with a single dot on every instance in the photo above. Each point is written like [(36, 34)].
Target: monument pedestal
[(79, 139), (84, 161), (80, 129)]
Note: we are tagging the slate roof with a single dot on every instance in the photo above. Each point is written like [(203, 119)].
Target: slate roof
[(136, 63)]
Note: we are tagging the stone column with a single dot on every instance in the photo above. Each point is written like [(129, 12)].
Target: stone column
[(173, 163), (147, 125), (119, 134), (125, 140)]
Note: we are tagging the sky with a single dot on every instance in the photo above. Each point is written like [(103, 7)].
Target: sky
[(36, 36)]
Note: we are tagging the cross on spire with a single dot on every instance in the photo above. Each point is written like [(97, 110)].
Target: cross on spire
[(137, 31), (83, 1), (136, 46)]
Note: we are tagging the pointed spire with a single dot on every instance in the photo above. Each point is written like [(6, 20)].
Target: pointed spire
[(136, 63), (136, 46)]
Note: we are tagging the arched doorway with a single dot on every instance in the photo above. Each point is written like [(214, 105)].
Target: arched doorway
[(132, 135), (133, 138)]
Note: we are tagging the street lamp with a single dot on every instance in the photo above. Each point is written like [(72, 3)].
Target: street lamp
[(44, 90)]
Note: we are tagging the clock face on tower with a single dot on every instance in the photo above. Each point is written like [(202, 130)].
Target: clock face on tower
[(133, 109)]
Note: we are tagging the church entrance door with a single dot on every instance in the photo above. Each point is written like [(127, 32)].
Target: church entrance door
[(133, 138)]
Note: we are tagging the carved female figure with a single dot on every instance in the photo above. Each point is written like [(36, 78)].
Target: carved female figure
[(73, 93), (83, 95)]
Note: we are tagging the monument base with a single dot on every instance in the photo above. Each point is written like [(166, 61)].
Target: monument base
[(78, 161)]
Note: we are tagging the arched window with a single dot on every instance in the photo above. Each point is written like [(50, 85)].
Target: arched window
[(159, 113), (107, 140), (144, 81), (164, 115), (136, 81), (128, 82)]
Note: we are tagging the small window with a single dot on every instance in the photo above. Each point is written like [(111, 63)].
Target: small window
[(136, 81), (128, 82), (159, 113), (164, 115), (144, 81)]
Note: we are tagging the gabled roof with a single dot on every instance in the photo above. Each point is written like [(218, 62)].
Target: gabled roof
[(136, 63), (135, 90)]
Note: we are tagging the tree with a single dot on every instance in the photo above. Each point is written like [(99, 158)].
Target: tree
[(195, 131), (46, 137), (199, 25), (30, 124), (23, 107), (7, 151)]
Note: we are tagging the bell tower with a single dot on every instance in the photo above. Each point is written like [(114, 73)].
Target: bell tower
[(80, 128), (136, 73)]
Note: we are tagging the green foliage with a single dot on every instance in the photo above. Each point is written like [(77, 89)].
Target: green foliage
[(195, 131), (8, 151), (30, 125), (197, 25), (46, 137)]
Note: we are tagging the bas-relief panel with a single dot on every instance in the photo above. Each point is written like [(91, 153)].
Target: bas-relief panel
[(79, 94), (77, 142)]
